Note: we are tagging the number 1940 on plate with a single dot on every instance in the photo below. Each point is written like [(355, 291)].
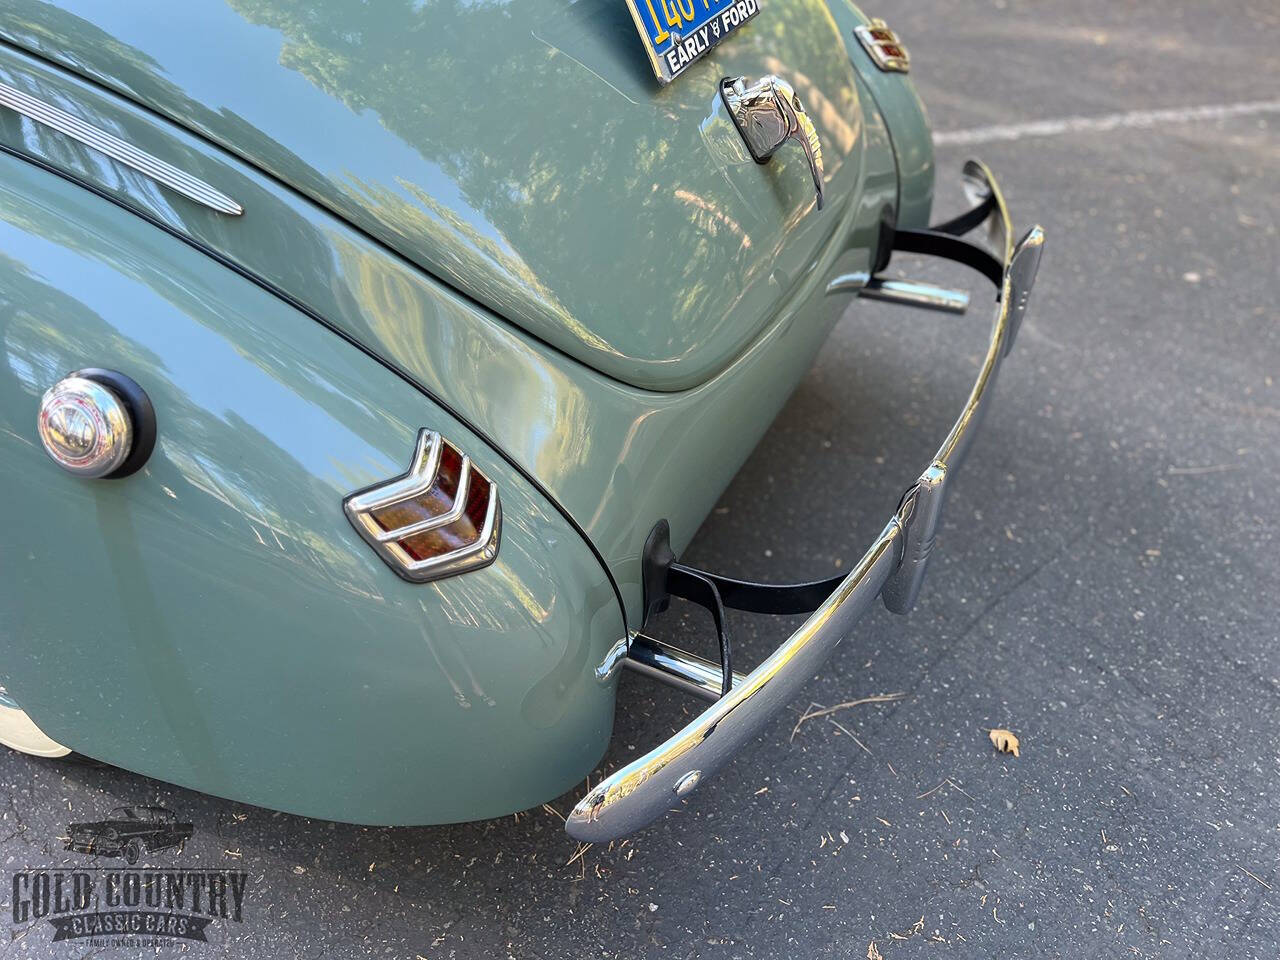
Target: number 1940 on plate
[(678, 32)]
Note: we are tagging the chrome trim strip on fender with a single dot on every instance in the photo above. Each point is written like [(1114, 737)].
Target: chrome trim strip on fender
[(642, 791), (115, 148)]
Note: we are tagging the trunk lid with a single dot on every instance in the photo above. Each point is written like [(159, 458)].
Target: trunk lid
[(523, 152)]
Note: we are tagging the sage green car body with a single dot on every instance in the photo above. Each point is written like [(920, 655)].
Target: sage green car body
[(486, 219)]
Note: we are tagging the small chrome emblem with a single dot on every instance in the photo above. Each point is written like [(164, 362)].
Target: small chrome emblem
[(85, 428), (768, 113), (678, 32), (440, 519), (886, 51)]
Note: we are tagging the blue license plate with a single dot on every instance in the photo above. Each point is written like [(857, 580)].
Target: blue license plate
[(678, 32)]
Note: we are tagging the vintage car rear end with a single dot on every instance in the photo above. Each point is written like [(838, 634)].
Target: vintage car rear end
[(451, 323)]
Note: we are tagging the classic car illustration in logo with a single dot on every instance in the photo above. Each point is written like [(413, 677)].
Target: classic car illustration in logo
[(129, 832), (678, 32)]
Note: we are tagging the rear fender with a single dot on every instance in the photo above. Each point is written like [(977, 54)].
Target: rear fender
[(214, 620)]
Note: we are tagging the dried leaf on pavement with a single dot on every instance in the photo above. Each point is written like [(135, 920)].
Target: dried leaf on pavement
[(1004, 741)]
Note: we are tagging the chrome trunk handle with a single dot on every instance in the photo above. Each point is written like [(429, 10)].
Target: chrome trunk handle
[(768, 113)]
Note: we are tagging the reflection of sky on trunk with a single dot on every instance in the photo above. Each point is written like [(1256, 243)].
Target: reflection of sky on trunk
[(275, 98)]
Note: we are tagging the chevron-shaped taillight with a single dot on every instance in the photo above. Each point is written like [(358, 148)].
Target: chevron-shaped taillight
[(440, 519)]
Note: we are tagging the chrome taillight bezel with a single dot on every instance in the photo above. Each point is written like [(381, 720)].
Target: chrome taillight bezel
[(885, 49), (420, 480)]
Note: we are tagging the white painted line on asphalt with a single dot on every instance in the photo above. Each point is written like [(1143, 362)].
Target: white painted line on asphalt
[(1134, 119)]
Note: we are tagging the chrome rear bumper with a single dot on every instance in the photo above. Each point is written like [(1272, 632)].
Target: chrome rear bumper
[(893, 568)]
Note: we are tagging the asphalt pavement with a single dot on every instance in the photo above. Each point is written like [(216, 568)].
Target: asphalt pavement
[(1106, 586)]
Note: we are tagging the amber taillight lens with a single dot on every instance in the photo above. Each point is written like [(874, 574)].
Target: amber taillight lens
[(439, 519)]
